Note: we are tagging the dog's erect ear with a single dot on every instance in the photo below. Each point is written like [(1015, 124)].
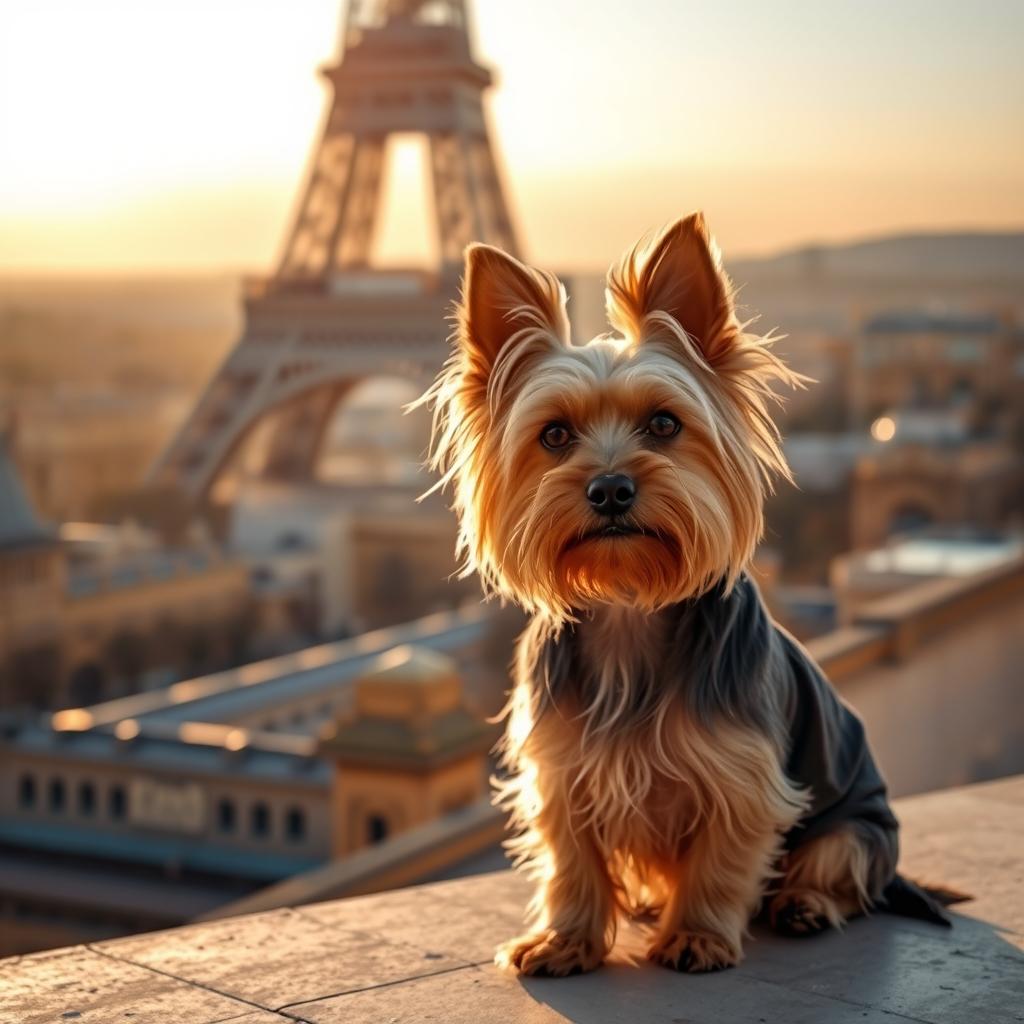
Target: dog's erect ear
[(502, 299), (678, 272)]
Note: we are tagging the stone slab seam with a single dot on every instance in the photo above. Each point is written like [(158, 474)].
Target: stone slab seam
[(467, 966), (248, 1013), (198, 984)]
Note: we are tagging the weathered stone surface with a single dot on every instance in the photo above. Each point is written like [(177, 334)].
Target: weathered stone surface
[(971, 839), (280, 957), (422, 955), (87, 987), (463, 920), (912, 969), (617, 994)]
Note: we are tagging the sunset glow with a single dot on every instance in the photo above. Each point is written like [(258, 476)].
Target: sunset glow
[(132, 141)]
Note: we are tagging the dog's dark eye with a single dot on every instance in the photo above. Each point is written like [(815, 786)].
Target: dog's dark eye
[(663, 424), (555, 436)]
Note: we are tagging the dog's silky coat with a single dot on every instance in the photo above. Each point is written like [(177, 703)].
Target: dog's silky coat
[(669, 749)]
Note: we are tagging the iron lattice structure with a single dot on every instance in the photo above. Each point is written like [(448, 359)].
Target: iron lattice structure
[(327, 317)]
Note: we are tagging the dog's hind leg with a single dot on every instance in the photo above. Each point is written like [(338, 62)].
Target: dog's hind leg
[(825, 881)]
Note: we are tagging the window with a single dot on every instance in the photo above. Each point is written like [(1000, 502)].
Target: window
[(291, 540), (962, 391), (27, 791), (117, 802), (295, 824), (87, 799), (259, 821), (965, 350), (376, 828), (86, 685), (909, 519), (56, 795), (226, 816)]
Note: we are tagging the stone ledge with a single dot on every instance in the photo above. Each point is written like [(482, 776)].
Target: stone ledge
[(408, 857), (893, 627), (423, 955)]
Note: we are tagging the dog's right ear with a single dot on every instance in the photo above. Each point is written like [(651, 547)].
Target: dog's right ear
[(679, 273), (506, 301)]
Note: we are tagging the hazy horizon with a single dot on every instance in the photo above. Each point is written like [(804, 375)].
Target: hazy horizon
[(194, 270), (175, 142)]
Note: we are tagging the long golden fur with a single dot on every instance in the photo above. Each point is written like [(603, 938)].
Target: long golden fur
[(625, 796)]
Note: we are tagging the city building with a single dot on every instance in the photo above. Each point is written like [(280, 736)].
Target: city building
[(860, 577), (408, 751), (941, 395), (31, 592), (921, 358), (80, 453), (933, 436), (155, 808), (89, 612), (345, 559), (939, 474)]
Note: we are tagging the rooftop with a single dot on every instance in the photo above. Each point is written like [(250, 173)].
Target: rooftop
[(920, 321), (19, 524), (938, 555), (424, 954), (312, 671)]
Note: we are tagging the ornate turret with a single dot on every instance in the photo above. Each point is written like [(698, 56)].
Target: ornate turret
[(410, 750), (19, 524)]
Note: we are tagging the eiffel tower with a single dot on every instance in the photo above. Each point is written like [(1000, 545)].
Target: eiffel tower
[(327, 317)]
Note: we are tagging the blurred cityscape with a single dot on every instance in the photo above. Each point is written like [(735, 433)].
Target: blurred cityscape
[(237, 668)]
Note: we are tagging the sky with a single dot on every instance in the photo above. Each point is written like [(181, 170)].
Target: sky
[(142, 136)]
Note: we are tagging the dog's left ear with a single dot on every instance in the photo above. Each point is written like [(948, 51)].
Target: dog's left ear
[(504, 300), (678, 273)]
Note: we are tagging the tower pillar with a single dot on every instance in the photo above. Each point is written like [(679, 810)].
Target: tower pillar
[(328, 316)]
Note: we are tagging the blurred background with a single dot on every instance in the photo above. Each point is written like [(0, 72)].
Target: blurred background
[(236, 669)]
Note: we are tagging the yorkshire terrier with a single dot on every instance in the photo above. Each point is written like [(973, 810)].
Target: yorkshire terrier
[(670, 749)]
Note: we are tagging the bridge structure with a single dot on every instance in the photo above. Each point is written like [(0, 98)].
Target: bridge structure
[(328, 317)]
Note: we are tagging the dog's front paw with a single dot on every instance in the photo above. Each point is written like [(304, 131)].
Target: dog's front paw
[(550, 953), (695, 952)]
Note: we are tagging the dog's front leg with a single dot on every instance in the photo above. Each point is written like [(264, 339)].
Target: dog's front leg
[(745, 806), (718, 886), (574, 909)]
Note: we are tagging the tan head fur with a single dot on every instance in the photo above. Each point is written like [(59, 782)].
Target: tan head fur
[(526, 524)]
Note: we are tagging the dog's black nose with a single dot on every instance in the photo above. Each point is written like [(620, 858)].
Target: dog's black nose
[(611, 494)]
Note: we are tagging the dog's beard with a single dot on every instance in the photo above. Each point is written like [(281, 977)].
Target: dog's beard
[(549, 556), (612, 566)]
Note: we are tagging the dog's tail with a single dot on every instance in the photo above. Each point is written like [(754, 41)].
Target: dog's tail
[(925, 902)]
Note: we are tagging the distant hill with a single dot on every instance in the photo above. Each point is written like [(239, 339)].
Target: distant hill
[(961, 256)]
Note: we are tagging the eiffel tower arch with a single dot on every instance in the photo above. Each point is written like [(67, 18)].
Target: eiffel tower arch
[(327, 317)]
